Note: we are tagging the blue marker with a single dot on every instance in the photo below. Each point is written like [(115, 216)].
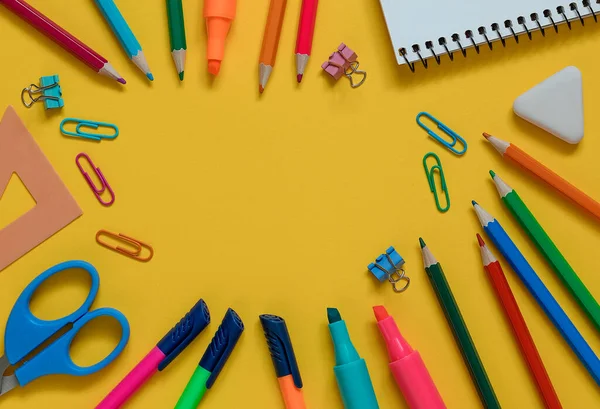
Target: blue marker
[(539, 291), (119, 26)]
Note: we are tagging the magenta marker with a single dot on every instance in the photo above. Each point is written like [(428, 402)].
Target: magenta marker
[(160, 356), (407, 366)]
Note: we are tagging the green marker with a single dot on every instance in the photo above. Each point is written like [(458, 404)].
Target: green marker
[(212, 361), (177, 34), (548, 249)]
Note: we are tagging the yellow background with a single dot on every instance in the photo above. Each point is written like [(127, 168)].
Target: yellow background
[(276, 204)]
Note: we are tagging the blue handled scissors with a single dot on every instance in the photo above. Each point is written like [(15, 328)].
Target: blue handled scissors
[(26, 334)]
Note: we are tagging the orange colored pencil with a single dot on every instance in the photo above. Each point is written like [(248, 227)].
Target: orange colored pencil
[(268, 52), (510, 151)]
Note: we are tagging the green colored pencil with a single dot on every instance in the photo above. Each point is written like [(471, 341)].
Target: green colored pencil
[(177, 34), (548, 249), (459, 328)]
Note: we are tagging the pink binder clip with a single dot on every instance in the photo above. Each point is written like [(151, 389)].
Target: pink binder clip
[(344, 62), (104, 186)]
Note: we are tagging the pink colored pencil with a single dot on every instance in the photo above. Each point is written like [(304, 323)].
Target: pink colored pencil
[(63, 38), (306, 30)]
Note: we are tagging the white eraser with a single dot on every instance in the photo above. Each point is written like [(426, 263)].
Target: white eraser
[(555, 105)]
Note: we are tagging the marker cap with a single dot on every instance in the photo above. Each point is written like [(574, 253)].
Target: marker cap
[(280, 346), (222, 345), (182, 334)]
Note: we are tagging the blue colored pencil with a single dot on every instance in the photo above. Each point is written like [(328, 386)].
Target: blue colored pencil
[(119, 26), (539, 291)]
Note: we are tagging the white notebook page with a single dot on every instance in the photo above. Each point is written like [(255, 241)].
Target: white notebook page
[(413, 22)]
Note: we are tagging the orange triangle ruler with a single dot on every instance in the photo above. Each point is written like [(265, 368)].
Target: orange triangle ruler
[(55, 207)]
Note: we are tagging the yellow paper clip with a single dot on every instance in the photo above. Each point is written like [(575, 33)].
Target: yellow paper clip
[(430, 173), (137, 245)]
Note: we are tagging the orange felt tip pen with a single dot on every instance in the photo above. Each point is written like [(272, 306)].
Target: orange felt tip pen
[(219, 15), (284, 360)]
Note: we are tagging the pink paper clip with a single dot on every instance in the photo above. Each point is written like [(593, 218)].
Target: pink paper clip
[(344, 62), (104, 184)]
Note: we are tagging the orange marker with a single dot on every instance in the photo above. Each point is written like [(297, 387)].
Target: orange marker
[(268, 53), (219, 15), (526, 162), (284, 360)]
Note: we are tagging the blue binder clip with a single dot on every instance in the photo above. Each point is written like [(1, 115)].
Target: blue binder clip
[(448, 145), (388, 267), (51, 93), (82, 123)]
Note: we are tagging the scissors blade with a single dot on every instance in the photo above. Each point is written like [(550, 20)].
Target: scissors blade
[(7, 383)]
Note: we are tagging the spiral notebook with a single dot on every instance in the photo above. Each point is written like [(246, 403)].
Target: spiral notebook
[(422, 31)]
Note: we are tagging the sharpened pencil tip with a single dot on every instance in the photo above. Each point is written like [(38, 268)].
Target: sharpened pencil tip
[(122, 81), (492, 173), (473, 202), (333, 315), (480, 240), (181, 76), (299, 78), (380, 313), (486, 135), (150, 76), (422, 243), (261, 89)]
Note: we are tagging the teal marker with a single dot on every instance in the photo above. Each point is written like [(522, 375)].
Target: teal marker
[(350, 369), (119, 26)]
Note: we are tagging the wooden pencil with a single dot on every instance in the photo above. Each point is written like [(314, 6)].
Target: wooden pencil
[(539, 292), (125, 35), (270, 44), (177, 35), (459, 329), (304, 39), (546, 246), (516, 155), (519, 327), (63, 38)]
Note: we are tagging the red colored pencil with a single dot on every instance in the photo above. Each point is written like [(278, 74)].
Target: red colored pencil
[(517, 322), (306, 30), (63, 38)]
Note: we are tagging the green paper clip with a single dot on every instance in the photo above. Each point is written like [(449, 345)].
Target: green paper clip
[(430, 173), (81, 123)]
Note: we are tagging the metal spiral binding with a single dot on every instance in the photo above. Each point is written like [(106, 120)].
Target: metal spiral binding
[(495, 27)]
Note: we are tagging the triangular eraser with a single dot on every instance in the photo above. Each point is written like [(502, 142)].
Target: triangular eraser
[(555, 105)]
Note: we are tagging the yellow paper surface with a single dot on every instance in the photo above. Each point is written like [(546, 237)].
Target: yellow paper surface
[(277, 203)]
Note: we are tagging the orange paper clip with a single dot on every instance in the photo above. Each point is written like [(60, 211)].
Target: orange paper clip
[(104, 186), (137, 245)]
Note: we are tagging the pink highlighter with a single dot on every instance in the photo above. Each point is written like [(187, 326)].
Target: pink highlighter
[(407, 366), (167, 349)]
